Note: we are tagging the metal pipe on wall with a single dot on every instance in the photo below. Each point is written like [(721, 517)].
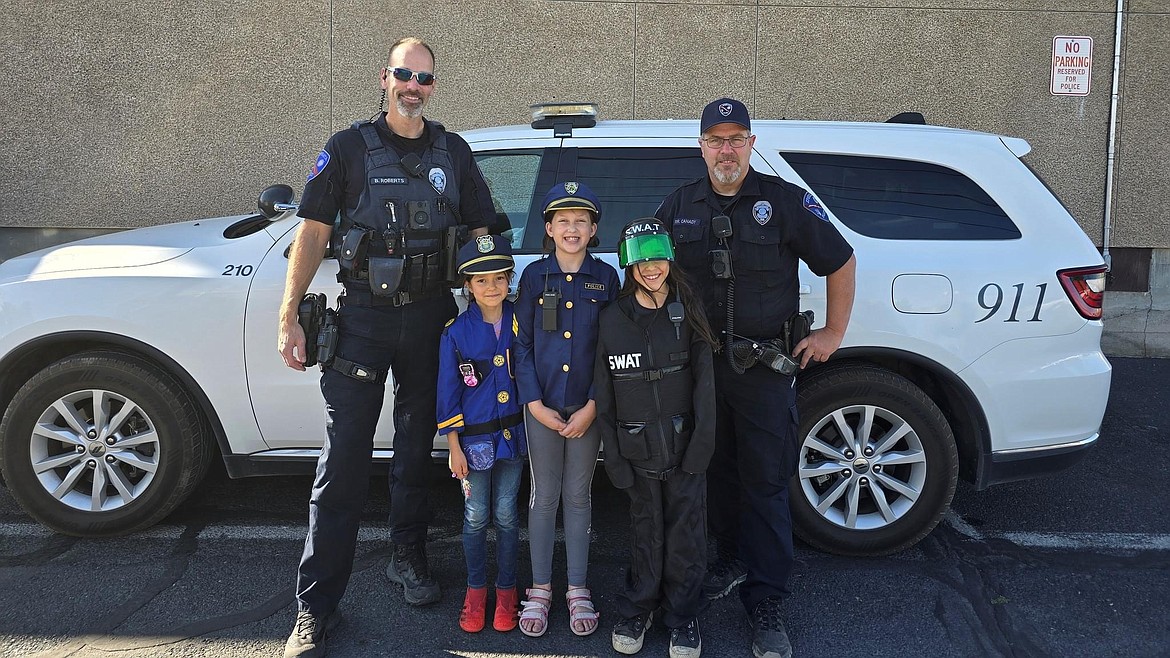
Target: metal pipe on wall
[(1109, 163)]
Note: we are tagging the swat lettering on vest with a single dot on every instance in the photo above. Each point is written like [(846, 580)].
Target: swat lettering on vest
[(619, 361), (394, 180)]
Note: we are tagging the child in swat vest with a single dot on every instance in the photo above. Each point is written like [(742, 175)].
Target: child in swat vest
[(654, 384), (479, 411)]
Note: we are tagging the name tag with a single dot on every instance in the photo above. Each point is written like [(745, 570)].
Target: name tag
[(393, 180), (595, 286)]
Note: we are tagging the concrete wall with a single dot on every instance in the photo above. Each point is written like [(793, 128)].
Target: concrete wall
[(134, 113)]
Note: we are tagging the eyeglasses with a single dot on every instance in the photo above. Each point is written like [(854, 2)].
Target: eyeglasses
[(425, 79), (736, 141)]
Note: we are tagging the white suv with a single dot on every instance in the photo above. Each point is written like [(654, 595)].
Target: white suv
[(974, 349)]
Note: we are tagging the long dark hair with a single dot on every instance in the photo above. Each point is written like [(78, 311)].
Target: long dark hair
[(696, 317)]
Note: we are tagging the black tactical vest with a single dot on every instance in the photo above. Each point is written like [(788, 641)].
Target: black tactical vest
[(405, 211)]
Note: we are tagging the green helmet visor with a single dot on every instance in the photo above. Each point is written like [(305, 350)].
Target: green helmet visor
[(641, 248)]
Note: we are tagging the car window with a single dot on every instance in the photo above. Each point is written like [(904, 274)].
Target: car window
[(902, 199), (631, 182), (512, 177)]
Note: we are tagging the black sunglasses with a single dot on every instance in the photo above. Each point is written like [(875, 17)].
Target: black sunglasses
[(424, 79)]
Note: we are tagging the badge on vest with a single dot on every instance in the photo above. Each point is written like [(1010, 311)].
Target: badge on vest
[(391, 180), (438, 179)]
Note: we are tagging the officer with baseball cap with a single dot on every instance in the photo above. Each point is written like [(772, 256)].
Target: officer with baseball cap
[(740, 235)]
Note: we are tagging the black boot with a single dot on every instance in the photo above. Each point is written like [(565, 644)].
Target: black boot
[(408, 568)]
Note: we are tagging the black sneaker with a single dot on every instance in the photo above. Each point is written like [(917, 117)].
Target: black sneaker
[(408, 568), (722, 576), (769, 638), (629, 633), (308, 635), (685, 641)]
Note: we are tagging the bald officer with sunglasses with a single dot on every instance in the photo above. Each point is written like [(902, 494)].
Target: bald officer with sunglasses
[(739, 235), (399, 186)]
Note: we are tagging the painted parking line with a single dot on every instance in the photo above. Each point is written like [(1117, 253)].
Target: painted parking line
[(1105, 542), (236, 533)]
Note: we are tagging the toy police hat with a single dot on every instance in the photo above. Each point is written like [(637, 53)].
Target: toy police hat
[(724, 110), (571, 195), (643, 240), (486, 254)]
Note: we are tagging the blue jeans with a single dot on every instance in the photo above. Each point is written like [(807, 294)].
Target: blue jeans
[(494, 489)]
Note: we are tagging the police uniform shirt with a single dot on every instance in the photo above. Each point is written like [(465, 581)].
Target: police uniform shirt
[(494, 395), (338, 179), (774, 223), (557, 366)]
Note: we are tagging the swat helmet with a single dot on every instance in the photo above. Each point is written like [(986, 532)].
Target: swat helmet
[(643, 240)]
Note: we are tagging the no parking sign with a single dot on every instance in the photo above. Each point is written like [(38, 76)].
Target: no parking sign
[(1072, 65)]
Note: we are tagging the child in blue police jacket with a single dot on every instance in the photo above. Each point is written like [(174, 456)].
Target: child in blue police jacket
[(560, 298), (479, 411)]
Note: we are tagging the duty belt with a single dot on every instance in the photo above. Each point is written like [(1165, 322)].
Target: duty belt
[(497, 425), (400, 298), (648, 375)]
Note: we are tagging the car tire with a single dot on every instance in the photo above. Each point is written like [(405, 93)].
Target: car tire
[(880, 494), (99, 474)]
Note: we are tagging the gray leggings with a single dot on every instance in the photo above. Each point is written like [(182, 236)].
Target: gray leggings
[(561, 469)]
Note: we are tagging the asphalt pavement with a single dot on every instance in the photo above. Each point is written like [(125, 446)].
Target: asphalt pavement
[(1076, 564)]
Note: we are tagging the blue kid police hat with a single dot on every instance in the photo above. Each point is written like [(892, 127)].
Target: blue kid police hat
[(570, 194), (724, 110), (486, 254)]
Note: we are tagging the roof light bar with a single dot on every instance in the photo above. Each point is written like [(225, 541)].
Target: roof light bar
[(564, 117)]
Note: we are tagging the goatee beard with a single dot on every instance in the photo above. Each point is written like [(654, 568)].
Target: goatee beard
[(727, 178), (408, 111)]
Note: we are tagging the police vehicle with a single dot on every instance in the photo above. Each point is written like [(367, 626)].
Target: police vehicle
[(128, 362)]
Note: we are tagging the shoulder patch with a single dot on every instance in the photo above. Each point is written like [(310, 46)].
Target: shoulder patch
[(319, 164), (814, 207), (449, 323)]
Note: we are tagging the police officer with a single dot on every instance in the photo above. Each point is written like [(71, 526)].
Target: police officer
[(739, 234), (655, 392), (402, 186)]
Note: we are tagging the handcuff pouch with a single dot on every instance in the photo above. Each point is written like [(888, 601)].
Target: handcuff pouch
[(385, 275)]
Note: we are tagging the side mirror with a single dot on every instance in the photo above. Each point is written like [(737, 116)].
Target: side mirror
[(276, 199)]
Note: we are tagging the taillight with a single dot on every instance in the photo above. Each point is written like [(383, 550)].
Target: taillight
[(1086, 288)]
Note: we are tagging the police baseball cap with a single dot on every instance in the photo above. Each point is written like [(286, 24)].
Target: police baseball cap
[(643, 240), (486, 254), (724, 110), (571, 195)]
